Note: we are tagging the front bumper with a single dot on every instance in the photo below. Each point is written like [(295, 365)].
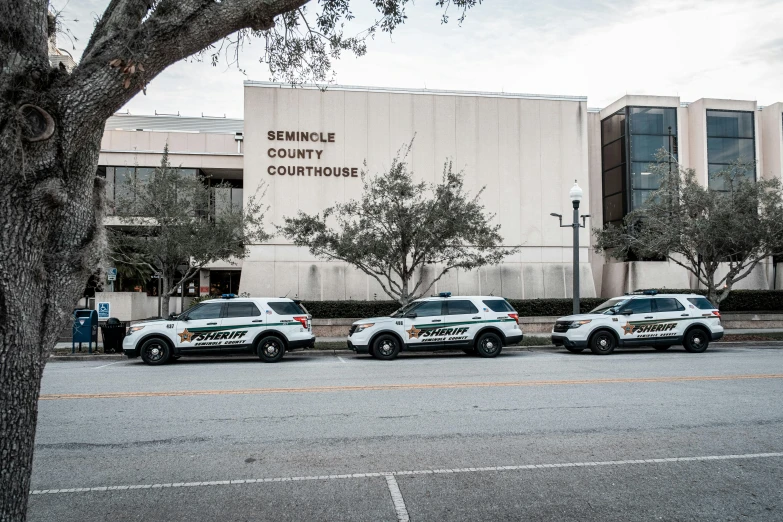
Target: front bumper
[(130, 347), (562, 340), (302, 343), (358, 348)]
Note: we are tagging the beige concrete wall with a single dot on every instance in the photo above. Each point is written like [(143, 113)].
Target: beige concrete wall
[(186, 149), (772, 140), (132, 306), (527, 152)]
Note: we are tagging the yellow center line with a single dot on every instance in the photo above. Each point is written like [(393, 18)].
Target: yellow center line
[(385, 387)]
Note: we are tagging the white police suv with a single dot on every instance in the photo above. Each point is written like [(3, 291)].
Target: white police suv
[(259, 325), (643, 318), (477, 325)]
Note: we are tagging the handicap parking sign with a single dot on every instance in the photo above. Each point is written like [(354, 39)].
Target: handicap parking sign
[(104, 310)]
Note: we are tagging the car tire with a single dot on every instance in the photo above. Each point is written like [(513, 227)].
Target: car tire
[(489, 345), (270, 349), (662, 348), (574, 349), (386, 347), (696, 340), (155, 352), (602, 343)]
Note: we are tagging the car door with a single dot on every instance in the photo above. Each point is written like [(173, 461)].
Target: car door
[(423, 326), (461, 321), (288, 318), (672, 319), (198, 329), (635, 315), (243, 321)]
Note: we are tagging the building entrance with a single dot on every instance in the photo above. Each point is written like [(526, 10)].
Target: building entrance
[(224, 282)]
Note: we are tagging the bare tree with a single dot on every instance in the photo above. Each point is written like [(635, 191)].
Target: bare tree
[(173, 225), (703, 230), (398, 227), (51, 123)]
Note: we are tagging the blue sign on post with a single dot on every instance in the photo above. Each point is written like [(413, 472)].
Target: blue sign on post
[(111, 274), (104, 311)]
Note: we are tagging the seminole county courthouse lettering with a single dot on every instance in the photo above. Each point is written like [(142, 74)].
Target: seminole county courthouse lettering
[(306, 149), (301, 153)]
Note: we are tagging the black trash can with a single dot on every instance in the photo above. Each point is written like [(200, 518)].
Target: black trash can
[(113, 333)]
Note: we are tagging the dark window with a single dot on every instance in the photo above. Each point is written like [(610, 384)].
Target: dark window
[(730, 138), (428, 309), (701, 303), (205, 311), (668, 304), (460, 307), (613, 208), (498, 305), (638, 306), (286, 308), (242, 310)]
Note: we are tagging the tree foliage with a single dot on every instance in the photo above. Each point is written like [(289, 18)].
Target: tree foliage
[(174, 224), (400, 226), (719, 236)]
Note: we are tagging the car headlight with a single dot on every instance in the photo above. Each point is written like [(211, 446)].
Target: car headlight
[(363, 327), (134, 329), (577, 324)]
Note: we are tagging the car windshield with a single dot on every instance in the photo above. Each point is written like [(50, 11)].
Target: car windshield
[(405, 309), (605, 307)]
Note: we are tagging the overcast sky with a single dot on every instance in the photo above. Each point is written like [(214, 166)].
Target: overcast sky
[(601, 49)]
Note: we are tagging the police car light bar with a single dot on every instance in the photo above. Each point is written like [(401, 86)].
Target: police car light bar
[(642, 292), (444, 294), (228, 296)]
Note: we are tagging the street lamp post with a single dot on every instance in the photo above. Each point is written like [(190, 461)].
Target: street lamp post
[(576, 196)]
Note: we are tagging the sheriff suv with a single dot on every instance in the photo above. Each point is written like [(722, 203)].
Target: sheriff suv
[(643, 318), (477, 325), (258, 325)]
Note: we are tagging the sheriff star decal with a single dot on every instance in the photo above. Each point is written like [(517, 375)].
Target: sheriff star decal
[(628, 328), (186, 336), (413, 332)]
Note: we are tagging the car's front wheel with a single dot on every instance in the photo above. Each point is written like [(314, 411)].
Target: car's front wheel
[(155, 352), (603, 343), (696, 340), (489, 345), (386, 347), (270, 349)]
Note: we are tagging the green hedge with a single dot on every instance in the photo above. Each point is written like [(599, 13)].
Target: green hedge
[(738, 301)]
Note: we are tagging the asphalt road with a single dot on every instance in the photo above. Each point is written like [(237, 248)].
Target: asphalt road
[(639, 435)]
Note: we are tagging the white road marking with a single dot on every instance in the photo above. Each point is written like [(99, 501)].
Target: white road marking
[(396, 495), (342, 360), (105, 365), (386, 474)]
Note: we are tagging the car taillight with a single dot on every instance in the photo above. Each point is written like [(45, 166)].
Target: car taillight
[(716, 313), (515, 317), (302, 319)]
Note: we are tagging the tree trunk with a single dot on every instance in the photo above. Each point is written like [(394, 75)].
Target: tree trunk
[(165, 296), (51, 205)]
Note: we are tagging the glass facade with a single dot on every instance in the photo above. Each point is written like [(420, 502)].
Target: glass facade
[(630, 140), (731, 137)]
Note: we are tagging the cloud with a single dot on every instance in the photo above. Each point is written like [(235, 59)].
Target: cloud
[(602, 49)]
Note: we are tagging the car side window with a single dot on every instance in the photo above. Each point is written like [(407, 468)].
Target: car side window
[(668, 304), (458, 307), (206, 311), (242, 310), (428, 309), (638, 306)]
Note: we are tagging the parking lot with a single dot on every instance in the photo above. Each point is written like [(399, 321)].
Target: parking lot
[(533, 435)]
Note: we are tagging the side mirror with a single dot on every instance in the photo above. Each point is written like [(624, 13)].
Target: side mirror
[(172, 317), (626, 311), (411, 315)]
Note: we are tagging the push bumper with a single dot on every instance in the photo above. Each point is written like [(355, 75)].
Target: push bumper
[(303, 343), (562, 340), (130, 347), (358, 348)]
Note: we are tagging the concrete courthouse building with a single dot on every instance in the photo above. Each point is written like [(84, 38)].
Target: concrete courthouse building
[(308, 147)]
